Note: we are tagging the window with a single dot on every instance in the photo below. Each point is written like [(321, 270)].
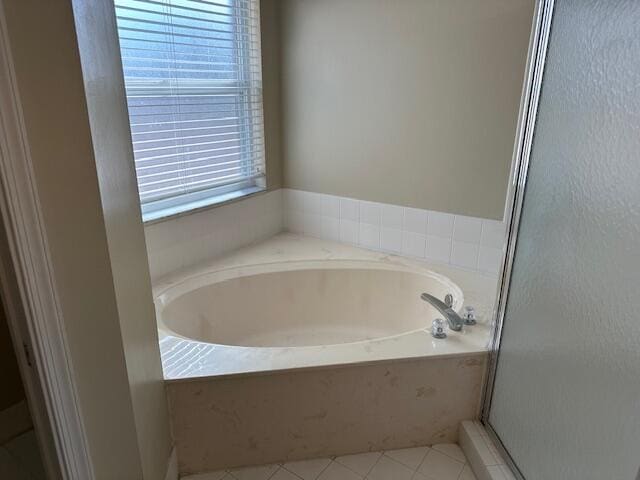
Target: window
[(194, 89)]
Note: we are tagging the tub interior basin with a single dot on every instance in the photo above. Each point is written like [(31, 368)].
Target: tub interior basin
[(304, 307)]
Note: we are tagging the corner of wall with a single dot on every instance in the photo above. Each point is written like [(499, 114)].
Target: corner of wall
[(187, 240), (112, 149), (172, 466)]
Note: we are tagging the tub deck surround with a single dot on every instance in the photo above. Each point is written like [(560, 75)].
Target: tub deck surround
[(185, 358), (227, 422)]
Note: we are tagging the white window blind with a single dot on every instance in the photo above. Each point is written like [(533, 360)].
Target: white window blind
[(194, 89)]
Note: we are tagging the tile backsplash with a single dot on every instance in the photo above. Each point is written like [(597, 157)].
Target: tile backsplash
[(187, 240), (467, 242)]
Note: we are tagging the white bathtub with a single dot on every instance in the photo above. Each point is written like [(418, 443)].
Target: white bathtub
[(254, 313), (303, 304)]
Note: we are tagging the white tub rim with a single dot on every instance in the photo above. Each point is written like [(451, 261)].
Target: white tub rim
[(164, 294)]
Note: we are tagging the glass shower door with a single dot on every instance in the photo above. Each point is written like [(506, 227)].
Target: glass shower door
[(565, 398)]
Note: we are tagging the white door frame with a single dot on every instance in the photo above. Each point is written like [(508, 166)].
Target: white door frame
[(30, 294), (532, 87)]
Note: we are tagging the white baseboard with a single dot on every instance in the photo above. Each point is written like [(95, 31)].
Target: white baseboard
[(172, 466), (14, 420)]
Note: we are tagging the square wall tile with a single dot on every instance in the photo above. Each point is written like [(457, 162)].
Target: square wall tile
[(313, 225), (413, 244), (294, 221), (331, 228), (440, 224), (493, 234), (370, 213), (391, 216), (467, 229), (349, 209), (331, 206), (489, 259), (457, 240), (313, 203), (438, 249), (349, 231), (294, 200), (415, 220), (391, 240), (369, 236), (464, 254)]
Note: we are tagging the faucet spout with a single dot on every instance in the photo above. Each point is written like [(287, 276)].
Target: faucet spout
[(454, 320)]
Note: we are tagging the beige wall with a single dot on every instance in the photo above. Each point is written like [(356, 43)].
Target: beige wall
[(105, 96), (270, 36), (410, 102), (52, 96)]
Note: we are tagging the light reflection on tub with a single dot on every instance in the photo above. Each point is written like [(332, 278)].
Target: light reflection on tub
[(302, 304)]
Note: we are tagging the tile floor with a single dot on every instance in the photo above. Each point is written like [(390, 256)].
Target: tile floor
[(20, 458), (440, 462)]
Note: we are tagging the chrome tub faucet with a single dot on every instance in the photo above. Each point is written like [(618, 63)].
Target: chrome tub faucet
[(446, 309)]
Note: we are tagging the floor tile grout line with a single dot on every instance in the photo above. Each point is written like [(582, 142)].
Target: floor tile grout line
[(348, 468), (331, 460), (415, 470), (461, 472), (326, 466), (374, 465), (447, 455), (275, 471), (381, 452), (282, 467)]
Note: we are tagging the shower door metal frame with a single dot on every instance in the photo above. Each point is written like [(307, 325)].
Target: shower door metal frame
[(522, 152)]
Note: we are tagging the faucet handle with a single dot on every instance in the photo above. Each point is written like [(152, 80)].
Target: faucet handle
[(437, 328), (448, 300), (469, 315)]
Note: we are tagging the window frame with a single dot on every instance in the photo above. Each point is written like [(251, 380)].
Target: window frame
[(162, 209)]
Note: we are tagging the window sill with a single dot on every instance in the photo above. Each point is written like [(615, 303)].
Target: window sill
[(219, 200)]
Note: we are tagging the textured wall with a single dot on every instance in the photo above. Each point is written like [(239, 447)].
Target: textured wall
[(106, 105), (567, 398), (407, 102)]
